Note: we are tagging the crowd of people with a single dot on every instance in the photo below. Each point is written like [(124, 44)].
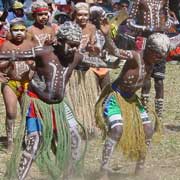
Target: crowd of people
[(55, 59)]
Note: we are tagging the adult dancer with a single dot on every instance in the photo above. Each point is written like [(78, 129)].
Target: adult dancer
[(83, 89), (119, 112), (147, 17), (47, 118)]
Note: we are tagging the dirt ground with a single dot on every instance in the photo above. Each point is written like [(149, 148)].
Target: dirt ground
[(163, 160)]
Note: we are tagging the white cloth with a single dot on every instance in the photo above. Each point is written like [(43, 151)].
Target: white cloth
[(62, 2)]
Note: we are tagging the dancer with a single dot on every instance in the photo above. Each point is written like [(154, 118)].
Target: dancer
[(40, 32), (102, 74), (147, 17), (119, 112), (47, 118), (83, 89), (18, 73)]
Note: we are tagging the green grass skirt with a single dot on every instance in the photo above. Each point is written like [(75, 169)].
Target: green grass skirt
[(53, 165)]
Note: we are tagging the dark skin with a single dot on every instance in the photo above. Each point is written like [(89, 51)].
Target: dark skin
[(153, 16), (54, 73), (132, 77), (18, 12), (142, 10), (51, 71), (136, 71), (41, 33), (19, 71)]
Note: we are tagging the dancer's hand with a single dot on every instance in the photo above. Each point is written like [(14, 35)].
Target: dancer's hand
[(105, 26), (125, 54)]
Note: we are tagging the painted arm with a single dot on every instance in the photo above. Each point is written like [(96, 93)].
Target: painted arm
[(112, 49), (169, 22), (99, 62), (131, 22), (23, 55)]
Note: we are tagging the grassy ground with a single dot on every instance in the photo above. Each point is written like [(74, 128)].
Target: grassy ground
[(163, 161)]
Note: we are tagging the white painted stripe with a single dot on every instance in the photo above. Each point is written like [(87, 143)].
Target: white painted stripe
[(115, 117), (146, 122), (117, 124)]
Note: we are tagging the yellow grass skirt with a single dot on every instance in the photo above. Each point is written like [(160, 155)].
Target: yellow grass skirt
[(82, 93), (132, 142)]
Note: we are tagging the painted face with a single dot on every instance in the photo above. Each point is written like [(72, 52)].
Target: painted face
[(82, 17), (67, 48), (42, 17), (18, 34)]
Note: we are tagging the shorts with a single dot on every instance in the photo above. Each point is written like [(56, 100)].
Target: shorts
[(18, 87), (159, 70), (33, 123), (113, 113)]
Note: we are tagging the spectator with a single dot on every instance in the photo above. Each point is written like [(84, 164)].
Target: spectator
[(17, 12)]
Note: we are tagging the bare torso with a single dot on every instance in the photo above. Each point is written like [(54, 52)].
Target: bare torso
[(18, 70), (42, 36), (88, 37), (154, 14), (51, 76), (133, 74)]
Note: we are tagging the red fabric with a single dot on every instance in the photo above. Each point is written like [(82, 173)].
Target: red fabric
[(32, 94), (2, 40), (54, 120), (173, 53), (40, 10), (32, 111)]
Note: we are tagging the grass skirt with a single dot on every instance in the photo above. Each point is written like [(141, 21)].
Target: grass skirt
[(52, 164), (82, 93), (132, 142)]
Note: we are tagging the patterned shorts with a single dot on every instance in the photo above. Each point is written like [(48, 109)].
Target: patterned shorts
[(18, 87), (113, 113)]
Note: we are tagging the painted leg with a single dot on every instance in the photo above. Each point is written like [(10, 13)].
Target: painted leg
[(113, 115), (145, 93), (75, 145), (10, 102), (159, 99), (141, 161), (29, 154), (145, 101), (75, 140), (107, 153), (159, 107), (9, 132), (110, 143), (114, 136)]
